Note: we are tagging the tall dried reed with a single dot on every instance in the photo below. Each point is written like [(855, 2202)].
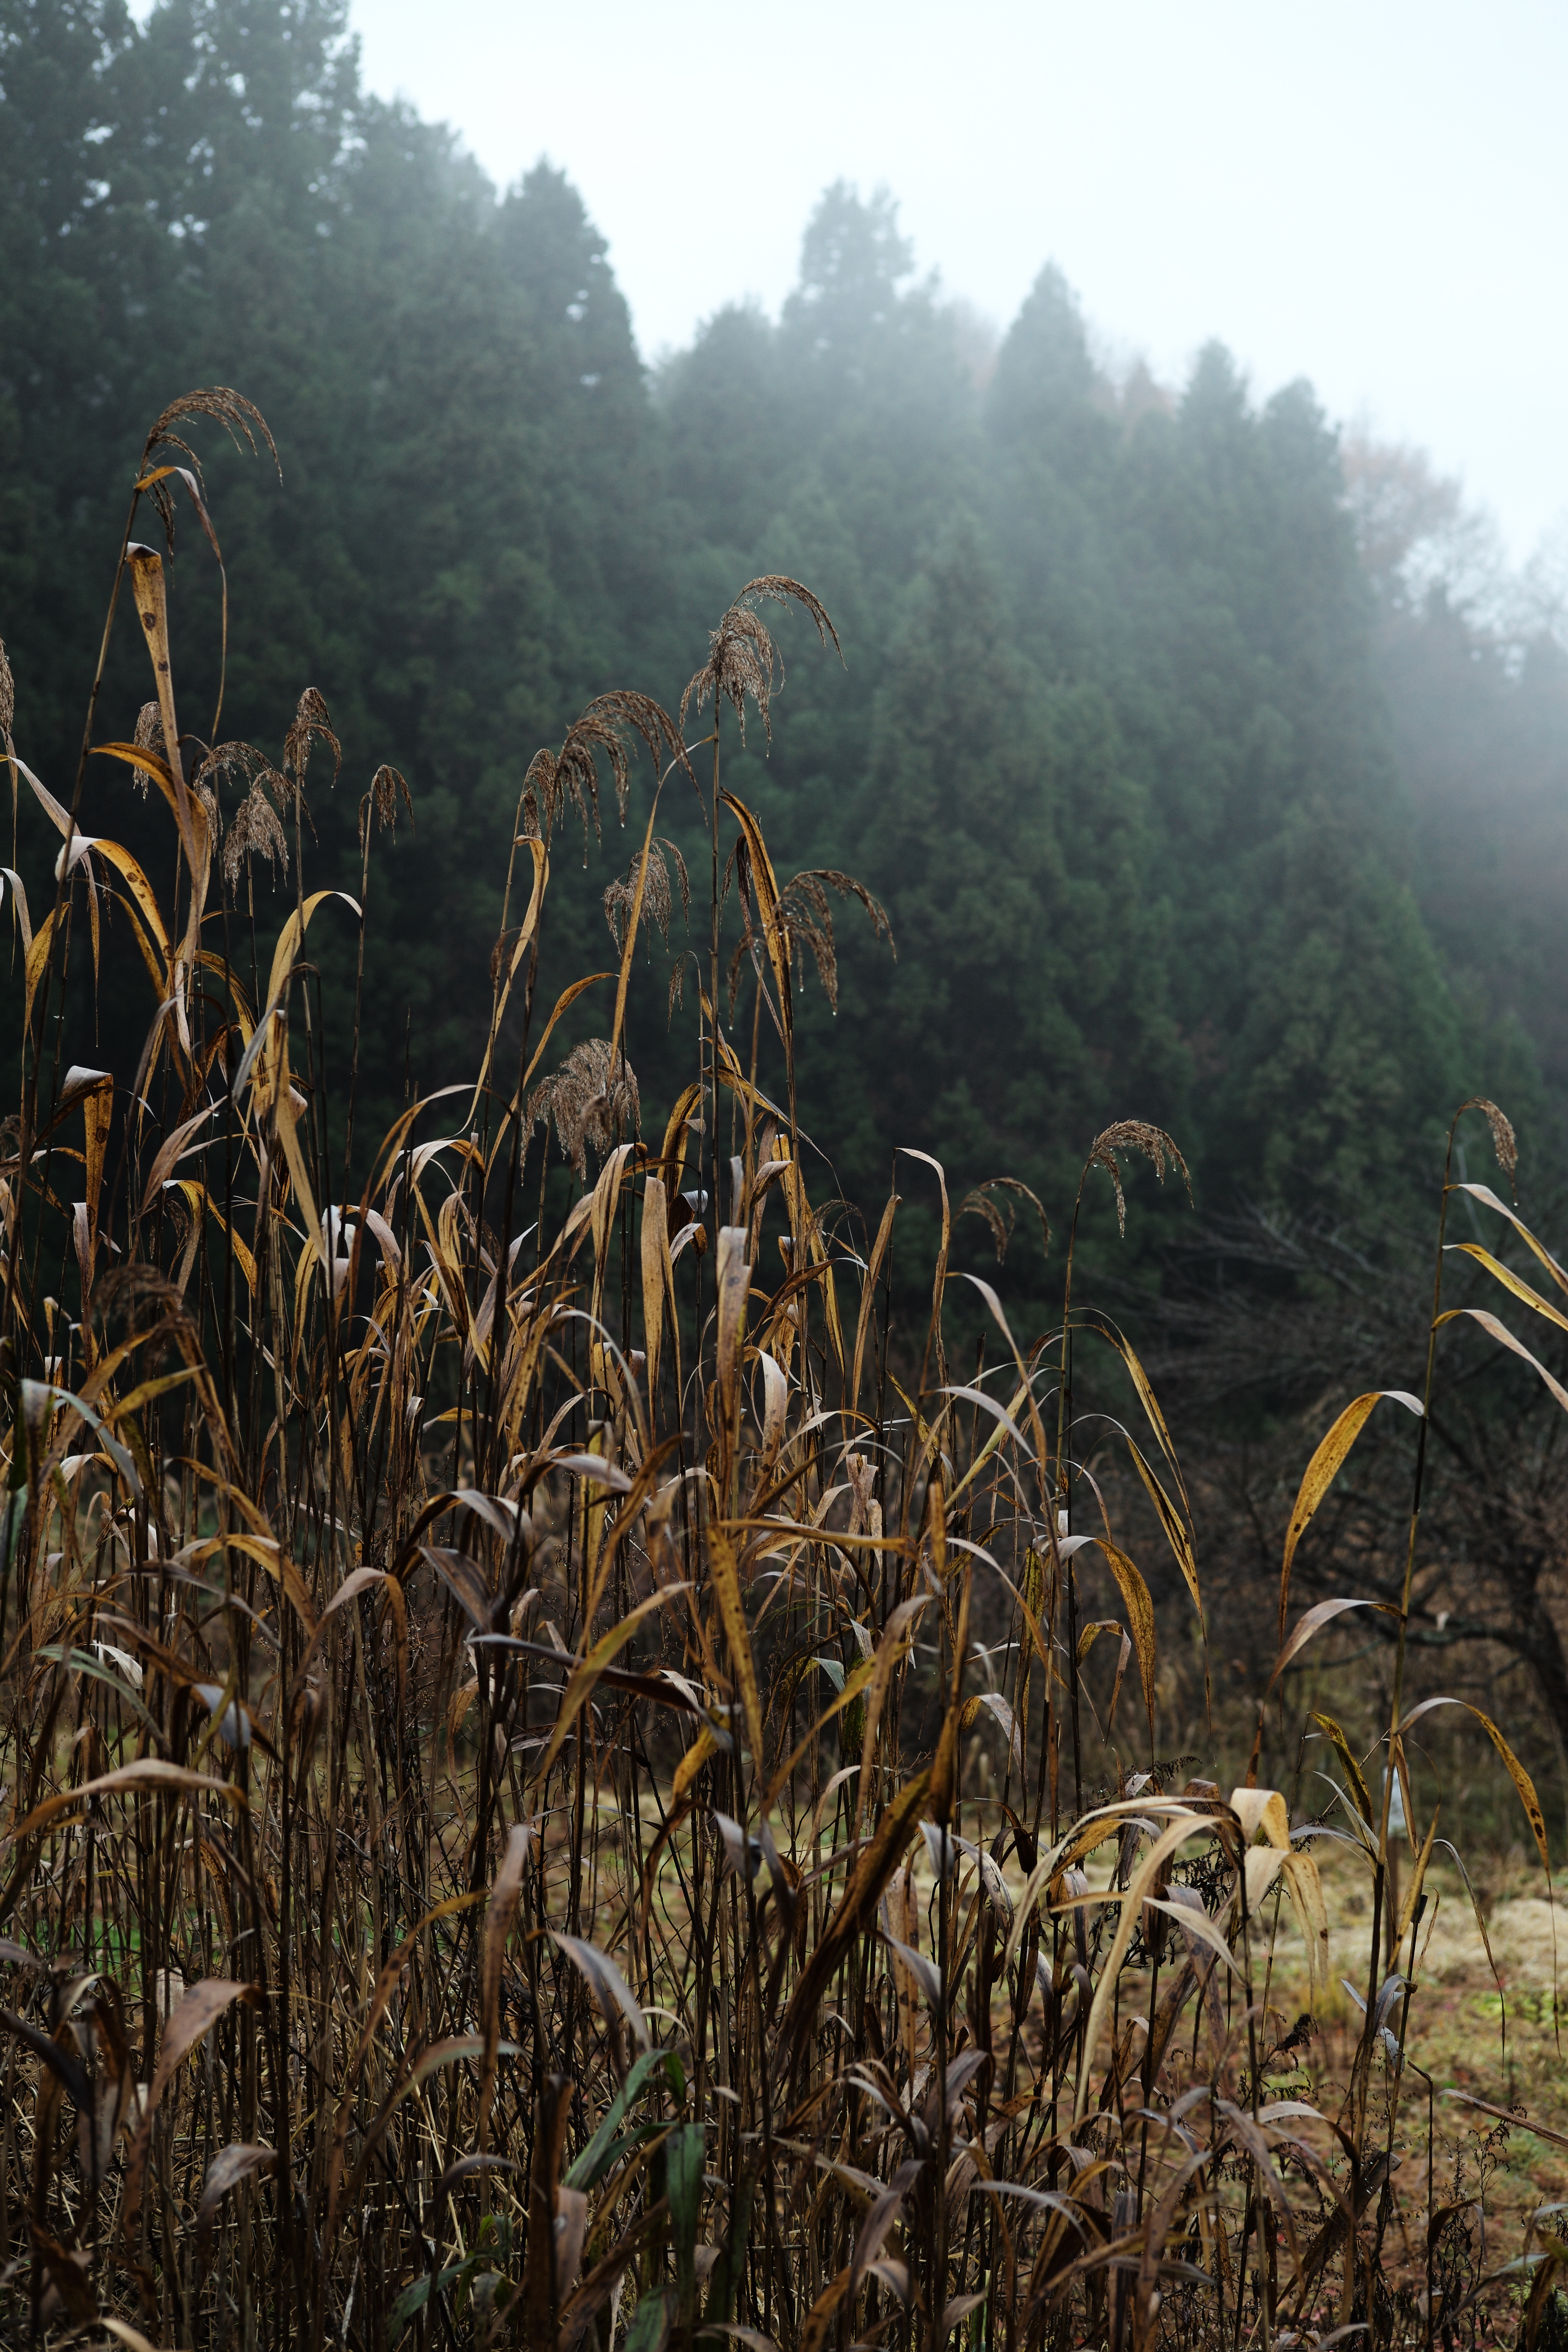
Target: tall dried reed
[(548, 1759)]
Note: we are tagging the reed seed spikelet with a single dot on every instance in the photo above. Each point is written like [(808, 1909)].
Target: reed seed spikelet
[(1134, 1135), (805, 916), (657, 903), (226, 763), (311, 721), (1002, 1216), (241, 420), (677, 997), (607, 728), (743, 658), (145, 1300), (807, 919), (7, 697), (148, 737), (387, 786), (254, 831), (1505, 1143), (593, 1099)]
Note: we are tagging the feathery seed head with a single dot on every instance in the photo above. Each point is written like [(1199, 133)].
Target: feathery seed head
[(1002, 1216), (254, 831), (241, 420), (805, 919), (606, 727), (657, 903), (743, 658), (1134, 1135), (1505, 1143), (243, 764), (312, 719), (149, 737), (593, 1099), (386, 787)]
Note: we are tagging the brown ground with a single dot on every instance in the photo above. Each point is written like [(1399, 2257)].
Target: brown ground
[(1456, 2035)]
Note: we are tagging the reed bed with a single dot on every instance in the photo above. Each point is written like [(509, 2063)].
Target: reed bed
[(565, 1785)]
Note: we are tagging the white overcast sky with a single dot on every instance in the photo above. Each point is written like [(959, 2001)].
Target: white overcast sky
[(1373, 194)]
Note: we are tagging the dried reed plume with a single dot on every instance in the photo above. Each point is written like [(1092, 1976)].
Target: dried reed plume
[(1001, 1217), (607, 730), (802, 918), (387, 787), (1505, 1143), (743, 658), (149, 737), (1134, 1135), (240, 419), (312, 723), (593, 1099), (254, 830), (657, 905)]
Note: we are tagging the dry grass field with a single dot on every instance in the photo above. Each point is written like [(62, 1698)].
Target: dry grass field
[(561, 1788)]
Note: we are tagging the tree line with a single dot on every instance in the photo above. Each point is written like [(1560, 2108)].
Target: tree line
[(1181, 799)]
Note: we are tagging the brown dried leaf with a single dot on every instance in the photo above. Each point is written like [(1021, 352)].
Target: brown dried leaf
[(191, 2019), (147, 1772), (228, 2167), (1511, 1766), (861, 1896), (1323, 1469), (499, 1914)]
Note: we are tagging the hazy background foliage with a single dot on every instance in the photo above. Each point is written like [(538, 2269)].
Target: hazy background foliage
[(1187, 779)]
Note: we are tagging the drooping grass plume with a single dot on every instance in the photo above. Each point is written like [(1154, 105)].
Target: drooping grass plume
[(744, 662)]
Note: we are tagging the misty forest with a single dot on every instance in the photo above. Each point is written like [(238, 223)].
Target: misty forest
[(781, 1374)]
